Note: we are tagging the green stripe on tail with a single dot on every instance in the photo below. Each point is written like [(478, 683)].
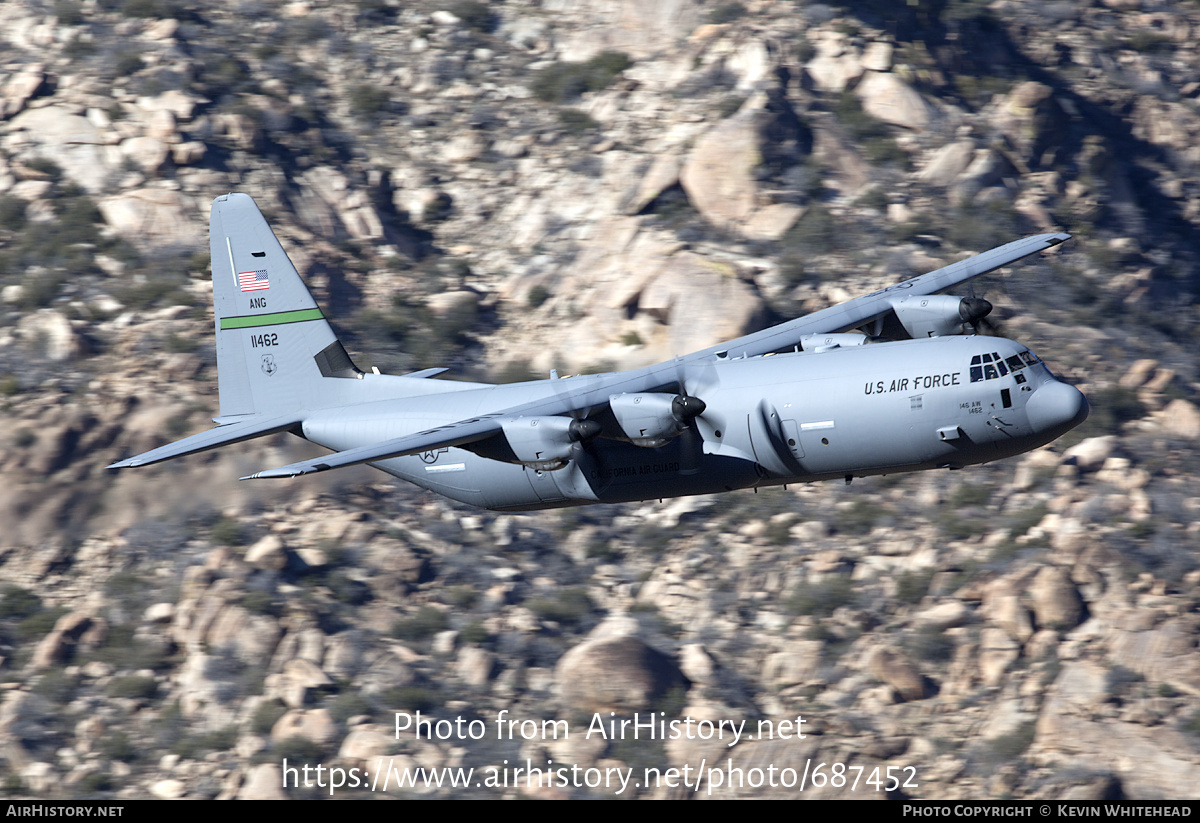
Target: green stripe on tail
[(278, 318)]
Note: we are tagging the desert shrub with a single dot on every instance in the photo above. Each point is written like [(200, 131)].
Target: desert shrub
[(132, 686), (930, 643), (266, 716), (18, 602), (118, 746), (970, 494), (1013, 745), (576, 121), (428, 621), (474, 633), (348, 705), (568, 607), (823, 597), (982, 226), (367, 100), (727, 13), (564, 82), (56, 686), (12, 212), (911, 587), (228, 532), (474, 15), (409, 698), (195, 746), (816, 232), (38, 625)]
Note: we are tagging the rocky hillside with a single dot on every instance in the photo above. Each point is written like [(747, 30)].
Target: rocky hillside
[(510, 187)]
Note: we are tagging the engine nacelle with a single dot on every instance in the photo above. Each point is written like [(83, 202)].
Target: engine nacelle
[(936, 315), (646, 418), (546, 443)]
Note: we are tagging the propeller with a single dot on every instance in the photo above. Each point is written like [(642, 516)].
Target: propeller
[(686, 408), (975, 310)]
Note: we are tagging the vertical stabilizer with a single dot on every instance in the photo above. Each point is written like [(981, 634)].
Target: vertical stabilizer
[(274, 345)]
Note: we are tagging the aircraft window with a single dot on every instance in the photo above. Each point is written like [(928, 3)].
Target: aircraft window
[(987, 358), (1029, 357), (976, 373), (989, 372), (996, 356), (1000, 365), (975, 360), (1014, 363)]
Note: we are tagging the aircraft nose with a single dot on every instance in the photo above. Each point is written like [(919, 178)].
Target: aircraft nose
[(1057, 406)]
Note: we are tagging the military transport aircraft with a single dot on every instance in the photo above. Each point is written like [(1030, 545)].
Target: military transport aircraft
[(809, 399)]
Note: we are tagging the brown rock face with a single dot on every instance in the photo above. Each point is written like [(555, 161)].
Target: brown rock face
[(896, 670), (1056, 603), (618, 674), (723, 176)]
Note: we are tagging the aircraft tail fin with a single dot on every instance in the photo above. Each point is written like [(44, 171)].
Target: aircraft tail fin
[(273, 343)]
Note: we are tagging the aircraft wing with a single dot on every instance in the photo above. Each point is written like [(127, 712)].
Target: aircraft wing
[(580, 392), (235, 432), (589, 391), (854, 313)]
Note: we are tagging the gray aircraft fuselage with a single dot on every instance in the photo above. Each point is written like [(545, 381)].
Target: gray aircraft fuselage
[(807, 399), (795, 417)]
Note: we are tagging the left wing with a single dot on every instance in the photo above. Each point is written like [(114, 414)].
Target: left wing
[(594, 390), (246, 428)]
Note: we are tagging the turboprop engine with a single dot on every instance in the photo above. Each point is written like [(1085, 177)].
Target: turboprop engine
[(650, 419), (937, 315), (546, 443)]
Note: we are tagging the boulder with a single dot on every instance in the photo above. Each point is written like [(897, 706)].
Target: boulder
[(888, 98), (703, 302), (1056, 602), (947, 163), (71, 141), (897, 671), (723, 173), (20, 87), (151, 214), (620, 674), (315, 725)]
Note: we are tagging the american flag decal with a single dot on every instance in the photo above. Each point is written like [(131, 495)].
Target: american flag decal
[(253, 280)]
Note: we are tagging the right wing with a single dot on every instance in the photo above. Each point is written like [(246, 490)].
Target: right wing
[(860, 310)]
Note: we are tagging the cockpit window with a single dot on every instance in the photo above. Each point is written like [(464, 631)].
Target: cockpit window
[(991, 365)]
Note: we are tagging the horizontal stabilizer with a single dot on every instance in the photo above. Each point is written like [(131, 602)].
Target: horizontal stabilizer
[(246, 429)]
